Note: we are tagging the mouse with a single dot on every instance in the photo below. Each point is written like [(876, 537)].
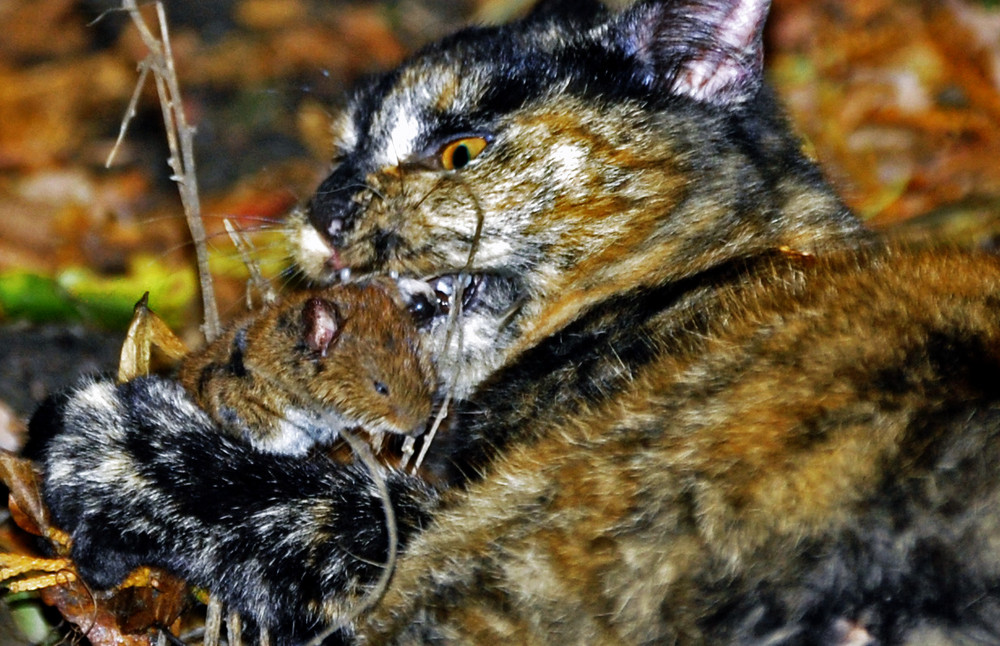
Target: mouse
[(298, 373)]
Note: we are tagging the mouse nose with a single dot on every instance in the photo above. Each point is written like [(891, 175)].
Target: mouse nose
[(333, 209)]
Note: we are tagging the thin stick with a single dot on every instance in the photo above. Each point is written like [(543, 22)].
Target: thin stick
[(443, 410), (213, 622), (234, 628), (453, 315), (130, 112), (257, 280), (375, 594), (180, 139)]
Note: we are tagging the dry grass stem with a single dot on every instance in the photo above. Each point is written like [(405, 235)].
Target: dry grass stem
[(257, 281), (234, 628), (454, 315), (213, 622), (180, 139)]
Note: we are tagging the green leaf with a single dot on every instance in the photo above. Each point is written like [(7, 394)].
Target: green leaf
[(80, 294)]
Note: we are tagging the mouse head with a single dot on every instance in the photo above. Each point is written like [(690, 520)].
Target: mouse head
[(359, 358)]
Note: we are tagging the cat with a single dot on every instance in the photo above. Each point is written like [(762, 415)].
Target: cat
[(694, 400)]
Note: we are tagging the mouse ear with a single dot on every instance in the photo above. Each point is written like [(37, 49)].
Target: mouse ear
[(709, 50), (323, 322)]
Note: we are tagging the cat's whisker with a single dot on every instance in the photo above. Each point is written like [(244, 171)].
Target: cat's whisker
[(346, 188), (428, 193), (243, 217), (376, 192), (454, 329), (256, 280)]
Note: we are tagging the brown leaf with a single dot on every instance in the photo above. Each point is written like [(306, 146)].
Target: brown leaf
[(100, 624), (26, 503), (147, 333), (125, 615), (159, 603)]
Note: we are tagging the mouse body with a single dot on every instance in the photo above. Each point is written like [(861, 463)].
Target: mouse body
[(299, 372)]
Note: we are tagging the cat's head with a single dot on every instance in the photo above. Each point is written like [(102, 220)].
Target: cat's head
[(557, 159)]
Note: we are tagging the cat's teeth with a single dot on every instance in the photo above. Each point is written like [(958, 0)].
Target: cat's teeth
[(474, 282), (436, 297), (446, 284)]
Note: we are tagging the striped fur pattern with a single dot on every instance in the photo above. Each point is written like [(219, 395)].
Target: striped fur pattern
[(795, 451), (696, 403), (142, 476), (587, 186)]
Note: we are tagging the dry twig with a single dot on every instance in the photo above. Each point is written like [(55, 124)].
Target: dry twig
[(257, 281), (180, 139), (373, 596)]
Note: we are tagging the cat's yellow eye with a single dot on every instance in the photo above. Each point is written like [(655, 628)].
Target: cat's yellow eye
[(458, 154)]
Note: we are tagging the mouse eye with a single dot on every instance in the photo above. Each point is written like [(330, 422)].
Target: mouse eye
[(381, 388), (457, 154)]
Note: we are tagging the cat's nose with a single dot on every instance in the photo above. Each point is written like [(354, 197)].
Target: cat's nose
[(333, 208)]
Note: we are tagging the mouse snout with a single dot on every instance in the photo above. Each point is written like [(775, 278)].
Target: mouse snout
[(413, 420)]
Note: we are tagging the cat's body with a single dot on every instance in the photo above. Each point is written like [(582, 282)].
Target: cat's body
[(695, 401), (812, 474)]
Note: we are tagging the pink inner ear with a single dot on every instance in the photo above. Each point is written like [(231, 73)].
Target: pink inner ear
[(322, 324), (709, 50), (736, 56)]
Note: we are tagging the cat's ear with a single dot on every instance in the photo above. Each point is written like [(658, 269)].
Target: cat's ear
[(709, 50), (576, 11)]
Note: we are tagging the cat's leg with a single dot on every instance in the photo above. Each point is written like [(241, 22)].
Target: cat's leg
[(137, 475)]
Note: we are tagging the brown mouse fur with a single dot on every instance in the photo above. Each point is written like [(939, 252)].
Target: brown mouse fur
[(297, 373)]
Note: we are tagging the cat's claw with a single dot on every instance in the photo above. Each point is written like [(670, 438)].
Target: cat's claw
[(49, 573)]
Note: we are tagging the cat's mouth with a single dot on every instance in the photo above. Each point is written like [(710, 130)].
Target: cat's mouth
[(438, 296)]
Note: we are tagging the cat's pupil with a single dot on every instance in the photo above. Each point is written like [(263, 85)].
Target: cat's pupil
[(461, 157)]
